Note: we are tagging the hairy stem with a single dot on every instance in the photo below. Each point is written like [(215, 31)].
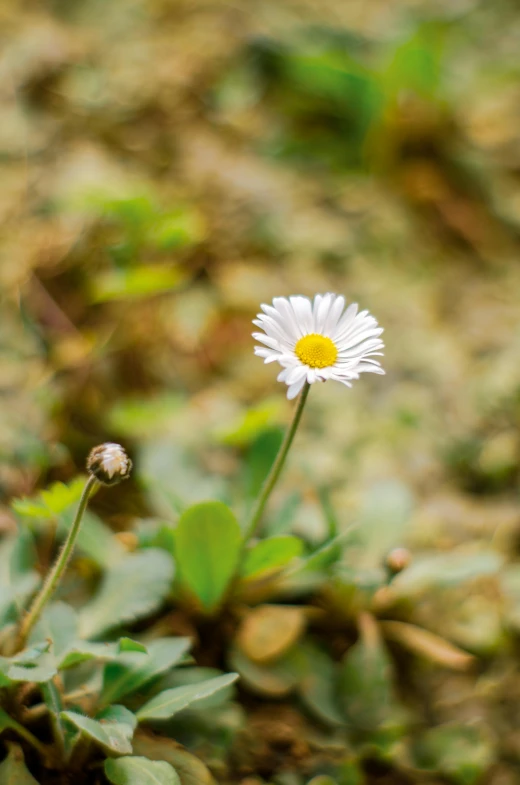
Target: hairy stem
[(57, 570), (276, 468)]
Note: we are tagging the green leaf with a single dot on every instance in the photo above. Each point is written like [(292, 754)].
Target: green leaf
[(140, 771), (18, 580), (170, 702), (382, 523), (191, 770), (462, 753), (141, 417), (365, 683), (270, 554), (35, 664), (52, 699), (134, 587), (415, 65), (318, 687), (260, 458), (113, 730), (446, 570), (136, 282), (250, 424), (83, 651), (118, 714), (173, 478), (52, 501), (29, 508), (181, 677), (5, 664), (274, 679), (207, 548), (95, 539), (34, 673), (177, 229), (133, 670), (57, 625), (13, 770), (127, 644), (59, 503)]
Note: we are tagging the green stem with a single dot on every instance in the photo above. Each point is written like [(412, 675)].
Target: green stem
[(51, 696), (54, 576), (276, 468), (30, 738)]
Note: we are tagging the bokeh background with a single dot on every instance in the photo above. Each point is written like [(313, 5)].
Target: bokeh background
[(168, 165)]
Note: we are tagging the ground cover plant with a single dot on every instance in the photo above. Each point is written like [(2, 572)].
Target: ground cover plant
[(167, 167), (77, 681)]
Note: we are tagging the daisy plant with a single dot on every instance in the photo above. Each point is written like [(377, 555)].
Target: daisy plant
[(76, 692), (107, 464), (313, 341)]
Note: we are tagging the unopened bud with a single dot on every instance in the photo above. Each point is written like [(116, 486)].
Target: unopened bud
[(109, 463), (398, 559)]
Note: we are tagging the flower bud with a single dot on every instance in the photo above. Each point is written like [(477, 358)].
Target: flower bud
[(398, 559), (109, 463)]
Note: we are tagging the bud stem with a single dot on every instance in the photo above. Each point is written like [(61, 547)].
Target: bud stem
[(276, 468), (57, 570)]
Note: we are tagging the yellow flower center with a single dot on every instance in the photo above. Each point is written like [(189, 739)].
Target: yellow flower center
[(316, 350)]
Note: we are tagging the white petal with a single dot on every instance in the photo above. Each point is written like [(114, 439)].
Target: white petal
[(367, 368), (303, 313), (324, 373), (272, 343), (282, 332), (285, 311), (294, 389), (284, 373), (320, 311), (347, 318), (296, 374), (360, 349), (358, 333), (334, 314), (268, 354)]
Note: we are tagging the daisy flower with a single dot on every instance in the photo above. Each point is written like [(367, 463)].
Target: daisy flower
[(318, 340)]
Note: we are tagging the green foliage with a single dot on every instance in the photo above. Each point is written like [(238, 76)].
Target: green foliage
[(139, 418), (208, 542), (134, 587), (13, 770), (17, 577), (461, 753), (366, 682), (162, 178), (260, 459), (381, 524), (52, 501), (140, 771), (136, 282), (270, 554), (113, 730), (131, 672), (170, 702), (58, 504)]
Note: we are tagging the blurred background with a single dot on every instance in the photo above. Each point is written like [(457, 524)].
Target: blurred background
[(168, 165)]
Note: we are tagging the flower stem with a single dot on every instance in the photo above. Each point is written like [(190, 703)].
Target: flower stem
[(276, 468), (57, 570), (51, 696)]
